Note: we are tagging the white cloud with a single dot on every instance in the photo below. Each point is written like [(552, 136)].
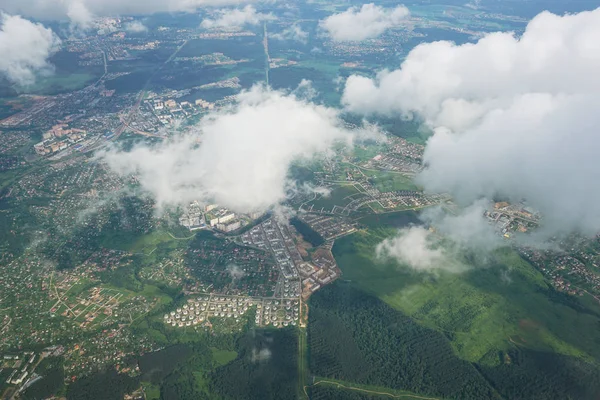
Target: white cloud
[(136, 27), (368, 22), (58, 9), (413, 247), (293, 32), (239, 157), (467, 228), (236, 18), (235, 272), (513, 116), (467, 231), (305, 90), (79, 15), (25, 48), (260, 356)]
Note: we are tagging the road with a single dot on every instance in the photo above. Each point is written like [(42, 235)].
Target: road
[(394, 396), (184, 238), (140, 132), (125, 121), (136, 107), (378, 170), (124, 124), (105, 69), (302, 352)]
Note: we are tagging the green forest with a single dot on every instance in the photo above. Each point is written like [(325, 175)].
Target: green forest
[(355, 337), (253, 365), (309, 234)]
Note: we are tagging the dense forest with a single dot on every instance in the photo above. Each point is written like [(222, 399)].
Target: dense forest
[(309, 234), (157, 365), (105, 385), (529, 374), (53, 376), (182, 382), (255, 364), (266, 368), (355, 337)]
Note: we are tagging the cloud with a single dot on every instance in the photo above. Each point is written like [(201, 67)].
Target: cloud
[(414, 247), (58, 9), (467, 228), (293, 32), (368, 22), (235, 272), (442, 247), (305, 90), (135, 27), (514, 117), (260, 356), (25, 48), (238, 157), (451, 237), (80, 16), (236, 18)]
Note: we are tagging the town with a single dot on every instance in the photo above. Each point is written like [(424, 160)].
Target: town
[(97, 273)]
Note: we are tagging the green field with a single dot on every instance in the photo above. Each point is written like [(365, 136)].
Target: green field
[(366, 152), (62, 83), (151, 391), (222, 357), (480, 310), (356, 338), (340, 196), (390, 181), (146, 243), (362, 341)]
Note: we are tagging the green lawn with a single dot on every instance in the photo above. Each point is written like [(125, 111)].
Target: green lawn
[(365, 153), (222, 357), (151, 291), (152, 391)]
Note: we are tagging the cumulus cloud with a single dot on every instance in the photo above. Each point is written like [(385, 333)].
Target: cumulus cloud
[(368, 22), (513, 116), (293, 32), (239, 157), (235, 272), (467, 227), (58, 9), (442, 246), (135, 27), (79, 15), (260, 356), (305, 90), (414, 247), (236, 18), (25, 48)]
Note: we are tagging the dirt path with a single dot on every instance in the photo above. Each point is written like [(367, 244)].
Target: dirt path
[(394, 396)]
